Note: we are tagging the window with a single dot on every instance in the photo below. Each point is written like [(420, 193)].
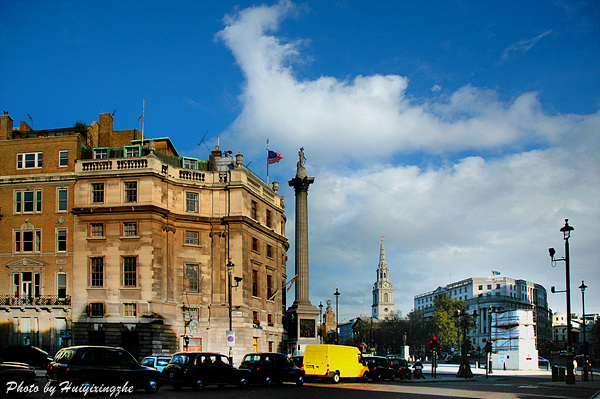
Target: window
[(30, 160), (253, 210), (61, 239), (189, 163), (28, 240), (129, 310), (191, 237), (497, 286), (96, 309), (254, 282), (191, 202), (254, 244), (62, 199), (132, 151), (255, 318), (28, 201), (97, 272), (269, 286), (97, 230), (100, 153), (61, 285), (131, 191), (268, 218), (480, 287), (270, 323), (130, 229), (63, 158), (489, 287), (129, 271), (192, 283), (269, 251), (26, 284), (97, 193)]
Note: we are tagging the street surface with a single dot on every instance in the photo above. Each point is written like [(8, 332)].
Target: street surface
[(500, 385)]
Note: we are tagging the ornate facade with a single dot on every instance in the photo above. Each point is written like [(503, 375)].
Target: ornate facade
[(143, 245)]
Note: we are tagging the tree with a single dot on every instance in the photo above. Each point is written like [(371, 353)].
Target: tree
[(444, 323)]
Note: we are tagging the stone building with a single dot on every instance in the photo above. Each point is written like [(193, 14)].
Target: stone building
[(494, 294), (151, 239), (383, 291)]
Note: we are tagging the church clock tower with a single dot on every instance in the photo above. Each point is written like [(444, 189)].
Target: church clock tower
[(383, 292)]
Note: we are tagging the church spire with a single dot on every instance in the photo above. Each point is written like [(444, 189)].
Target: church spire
[(383, 292)]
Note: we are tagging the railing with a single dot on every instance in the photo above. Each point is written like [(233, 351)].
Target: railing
[(191, 175), (132, 163), (96, 165), (42, 300)]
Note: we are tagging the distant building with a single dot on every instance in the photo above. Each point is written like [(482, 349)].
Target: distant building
[(493, 294), (383, 292), (559, 328), (110, 238)]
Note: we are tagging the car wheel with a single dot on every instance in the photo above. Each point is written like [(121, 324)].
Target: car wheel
[(336, 378), (198, 385), (151, 386), (364, 378), (300, 381), (267, 382)]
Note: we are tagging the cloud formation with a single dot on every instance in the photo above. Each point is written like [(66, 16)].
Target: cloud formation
[(367, 144)]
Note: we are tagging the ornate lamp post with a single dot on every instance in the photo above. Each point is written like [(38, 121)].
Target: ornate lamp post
[(337, 329), (465, 323), (582, 287), (566, 230), (321, 317), (230, 266)]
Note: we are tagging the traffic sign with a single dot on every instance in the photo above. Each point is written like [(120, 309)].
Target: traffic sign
[(230, 338)]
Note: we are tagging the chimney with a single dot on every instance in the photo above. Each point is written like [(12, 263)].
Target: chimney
[(6, 126), (106, 130)]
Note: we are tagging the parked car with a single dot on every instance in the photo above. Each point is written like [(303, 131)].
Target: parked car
[(101, 365), (298, 361), (543, 363), (30, 355), (268, 368), (199, 369), (16, 373), (334, 362), (156, 362), (379, 368), (400, 367)]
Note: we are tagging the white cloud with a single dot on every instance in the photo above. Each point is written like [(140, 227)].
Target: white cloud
[(463, 218)]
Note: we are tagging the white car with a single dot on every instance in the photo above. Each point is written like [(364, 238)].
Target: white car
[(156, 362)]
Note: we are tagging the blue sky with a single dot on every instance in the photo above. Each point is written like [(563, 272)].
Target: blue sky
[(464, 132)]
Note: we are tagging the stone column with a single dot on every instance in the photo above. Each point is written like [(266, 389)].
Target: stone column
[(302, 315)]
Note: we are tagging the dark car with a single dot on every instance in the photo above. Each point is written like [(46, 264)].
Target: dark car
[(15, 373), (96, 366), (30, 355), (379, 368), (199, 369), (269, 368), (400, 367)]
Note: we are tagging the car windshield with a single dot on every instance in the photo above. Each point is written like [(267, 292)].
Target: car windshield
[(162, 362), (180, 359)]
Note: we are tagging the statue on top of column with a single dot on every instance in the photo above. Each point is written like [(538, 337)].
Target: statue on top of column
[(301, 171)]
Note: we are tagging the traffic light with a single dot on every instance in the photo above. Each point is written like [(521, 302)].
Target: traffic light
[(186, 340)]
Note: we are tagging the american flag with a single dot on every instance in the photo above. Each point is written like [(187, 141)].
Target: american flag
[(274, 157)]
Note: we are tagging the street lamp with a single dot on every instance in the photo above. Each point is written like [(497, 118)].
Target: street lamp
[(230, 266), (337, 329), (566, 230), (465, 322), (321, 316), (582, 287)]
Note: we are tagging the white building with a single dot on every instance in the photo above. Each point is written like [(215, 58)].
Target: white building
[(494, 294), (513, 341), (383, 292)]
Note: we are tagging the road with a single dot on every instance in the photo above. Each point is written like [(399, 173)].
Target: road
[(501, 385)]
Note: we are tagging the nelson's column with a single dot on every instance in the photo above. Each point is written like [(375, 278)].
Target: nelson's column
[(302, 315)]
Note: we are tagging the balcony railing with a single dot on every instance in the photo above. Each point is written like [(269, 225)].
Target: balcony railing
[(43, 300)]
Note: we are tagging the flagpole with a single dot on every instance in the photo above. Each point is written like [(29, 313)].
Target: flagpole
[(267, 161)]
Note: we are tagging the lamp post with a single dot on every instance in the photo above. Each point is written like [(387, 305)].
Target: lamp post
[(465, 322), (321, 325), (337, 329), (230, 266), (582, 287), (566, 230)]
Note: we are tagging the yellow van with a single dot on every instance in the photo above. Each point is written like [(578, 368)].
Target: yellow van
[(334, 362)]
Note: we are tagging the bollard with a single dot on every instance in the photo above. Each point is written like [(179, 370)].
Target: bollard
[(554, 373)]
